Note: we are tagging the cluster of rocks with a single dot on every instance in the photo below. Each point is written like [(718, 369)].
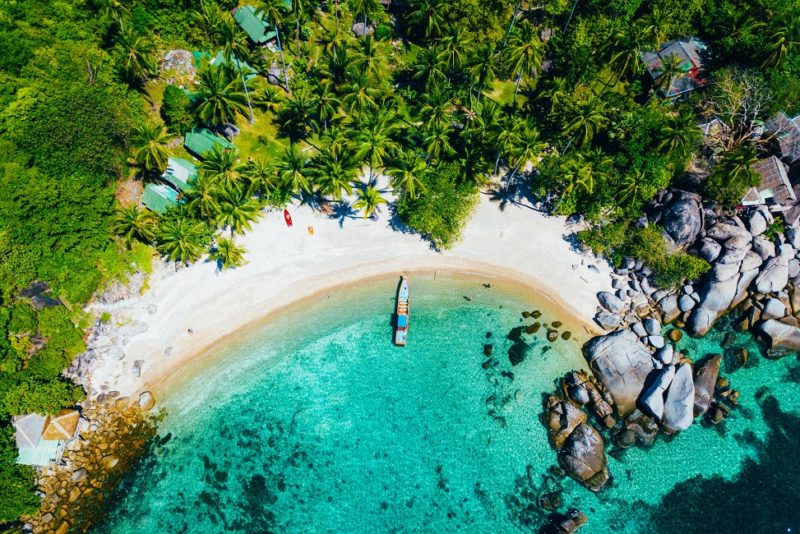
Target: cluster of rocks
[(581, 449), (636, 392), (565, 523), (113, 435), (178, 67), (750, 269)]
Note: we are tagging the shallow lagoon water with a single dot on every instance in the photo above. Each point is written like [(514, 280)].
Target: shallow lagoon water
[(316, 423)]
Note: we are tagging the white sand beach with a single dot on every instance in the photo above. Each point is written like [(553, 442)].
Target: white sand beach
[(187, 310)]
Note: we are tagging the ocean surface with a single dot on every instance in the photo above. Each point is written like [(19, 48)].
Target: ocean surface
[(315, 422)]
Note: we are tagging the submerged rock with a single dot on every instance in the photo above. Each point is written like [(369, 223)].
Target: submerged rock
[(583, 457), (705, 379), (562, 418)]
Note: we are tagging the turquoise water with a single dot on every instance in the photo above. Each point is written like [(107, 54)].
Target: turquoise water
[(316, 423)]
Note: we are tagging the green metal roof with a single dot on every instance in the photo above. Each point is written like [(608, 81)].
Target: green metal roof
[(254, 25), (181, 173), (160, 197), (202, 141), (248, 71)]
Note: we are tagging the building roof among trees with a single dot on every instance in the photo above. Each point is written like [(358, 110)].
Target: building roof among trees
[(61, 426), (787, 133), (689, 51), (202, 141), (254, 24), (181, 173), (774, 186), (159, 197), (32, 446)]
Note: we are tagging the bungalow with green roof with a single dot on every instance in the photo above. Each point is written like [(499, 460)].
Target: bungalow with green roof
[(255, 25), (159, 197), (242, 66), (181, 173), (201, 141)]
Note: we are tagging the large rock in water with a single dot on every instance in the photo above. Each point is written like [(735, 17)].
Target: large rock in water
[(583, 457), (781, 335), (682, 219), (679, 403), (705, 379), (652, 399), (700, 321), (622, 364), (562, 418)]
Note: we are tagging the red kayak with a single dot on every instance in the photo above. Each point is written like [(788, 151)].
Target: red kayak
[(287, 218)]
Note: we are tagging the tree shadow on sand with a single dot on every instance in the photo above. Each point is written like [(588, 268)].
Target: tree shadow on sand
[(764, 497), (342, 211)]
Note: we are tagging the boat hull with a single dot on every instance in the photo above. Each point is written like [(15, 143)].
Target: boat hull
[(402, 313)]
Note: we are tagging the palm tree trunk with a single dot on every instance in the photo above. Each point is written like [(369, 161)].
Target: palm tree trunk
[(246, 92), (283, 59), (516, 89), (336, 16), (575, 3), (511, 24)]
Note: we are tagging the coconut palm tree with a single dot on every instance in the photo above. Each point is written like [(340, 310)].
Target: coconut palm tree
[(133, 223), (369, 198), (428, 68), (436, 141), (297, 116), (223, 168), (237, 210), (525, 53), (150, 142), (374, 141), (680, 135), (367, 57), (262, 176), (553, 91), (334, 173), (473, 164), (327, 103), (580, 173), (482, 66), (219, 99), (437, 108), (181, 239), (585, 118), (292, 171), (275, 12), (235, 50), (209, 18), (404, 172), (299, 10), (526, 146), (227, 254), (653, 27), (784, 41), (203, 197), (671, 68), (113, 9), (359, 94), (138, 55), (454, 48), (430, 13), (737, 166)]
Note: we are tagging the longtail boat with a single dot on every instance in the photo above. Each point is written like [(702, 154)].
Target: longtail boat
[(402, 312)]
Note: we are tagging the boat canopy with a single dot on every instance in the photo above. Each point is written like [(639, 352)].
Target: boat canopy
[(402, 320)]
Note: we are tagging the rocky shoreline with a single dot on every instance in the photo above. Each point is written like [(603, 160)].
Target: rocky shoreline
[(113, 435), (641, 385)]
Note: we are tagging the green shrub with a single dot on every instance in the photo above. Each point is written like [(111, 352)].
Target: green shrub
[(176, 109), (441, 212), (620, 240), (384, 32)]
